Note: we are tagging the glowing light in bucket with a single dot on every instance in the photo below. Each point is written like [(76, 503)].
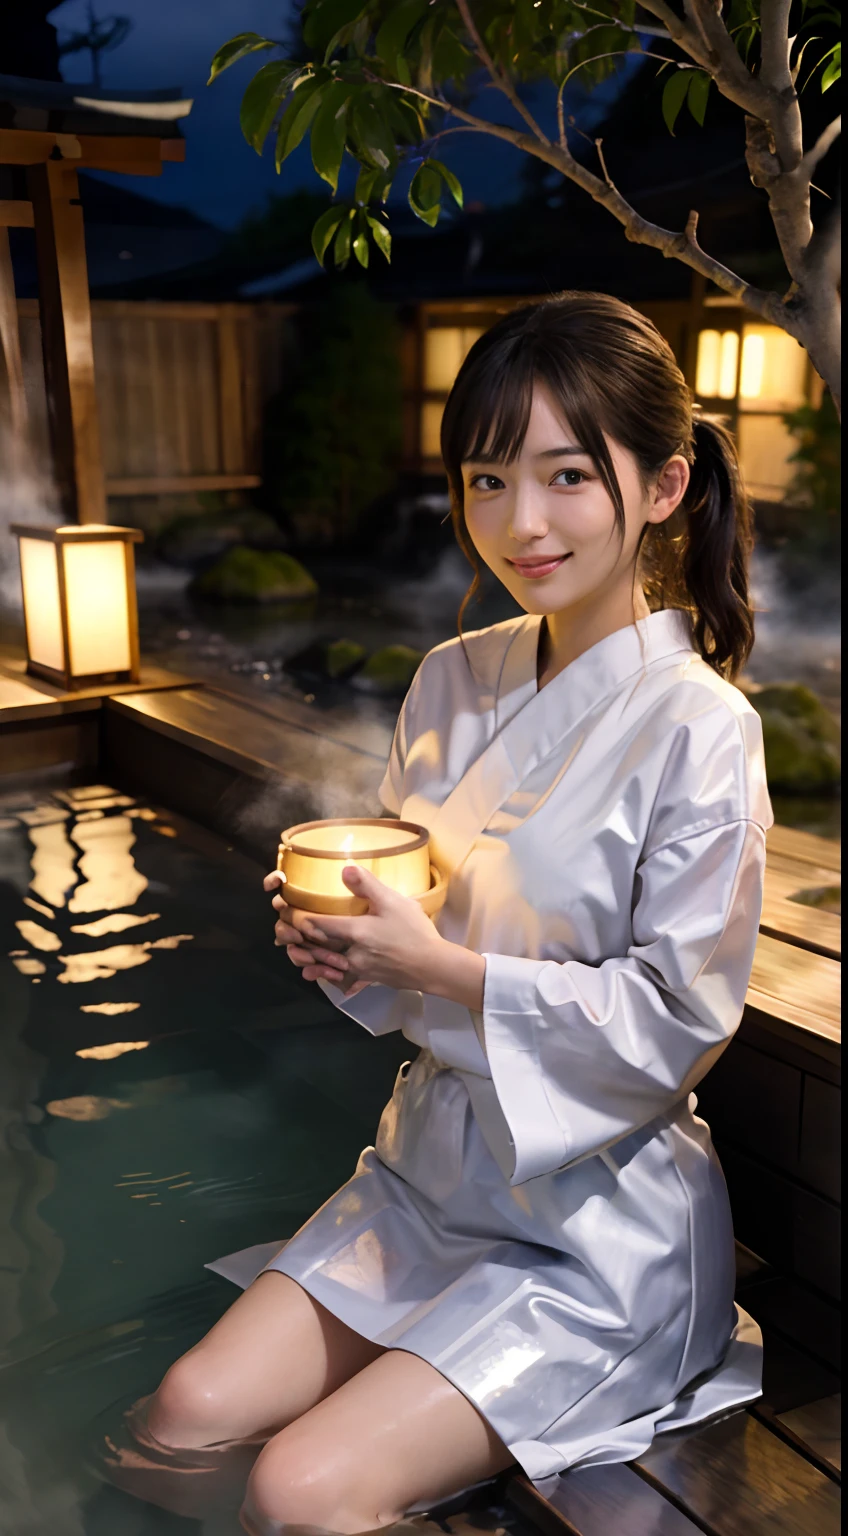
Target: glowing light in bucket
[(313, 855)]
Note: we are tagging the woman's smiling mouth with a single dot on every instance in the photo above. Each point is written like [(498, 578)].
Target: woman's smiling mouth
[(539, 565)]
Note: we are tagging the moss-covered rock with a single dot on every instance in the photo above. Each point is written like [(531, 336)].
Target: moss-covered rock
[(342, 657), (327, 660), (194, 538), (389, 670), (245, 575), (801, 739)]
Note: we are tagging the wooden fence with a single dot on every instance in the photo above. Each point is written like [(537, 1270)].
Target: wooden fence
[(180, 391)]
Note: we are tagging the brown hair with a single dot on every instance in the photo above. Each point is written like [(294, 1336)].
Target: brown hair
[(610, 370)]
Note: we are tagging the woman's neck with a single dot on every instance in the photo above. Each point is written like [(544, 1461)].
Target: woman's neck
[(567, 634)]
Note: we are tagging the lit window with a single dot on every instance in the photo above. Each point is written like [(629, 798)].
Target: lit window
[(445, 348), (431, 426), (765, 446), (774, 370), (718, 361)]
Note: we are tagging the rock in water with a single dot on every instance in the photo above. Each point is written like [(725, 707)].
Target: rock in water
[(389, 670), (801, 739), (245, 575)]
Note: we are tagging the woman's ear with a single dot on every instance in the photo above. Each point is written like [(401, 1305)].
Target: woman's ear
[(670, 488)]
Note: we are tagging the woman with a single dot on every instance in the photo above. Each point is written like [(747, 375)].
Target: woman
[(535, 1262)]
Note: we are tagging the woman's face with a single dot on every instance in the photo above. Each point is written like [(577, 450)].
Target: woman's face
[(545, 523)]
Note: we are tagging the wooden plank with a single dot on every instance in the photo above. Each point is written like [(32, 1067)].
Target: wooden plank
[(788, 1225), (800, 987), (785, 1306), (807, 847), (819, 1425), (231, 420), (67, 342), (735, 1478), (784, 918), (10, 346), (16, 213), (819, 1160), (137, 154), (156, 485), (600, 1501), (755, 1101)]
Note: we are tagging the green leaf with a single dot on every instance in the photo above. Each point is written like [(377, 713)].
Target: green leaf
[(674, 96), (261, 101), (329, 132), (450, 58), (373, 136), (360, 249), (698, 94), (450, 181), (833, 71), (323, 19), (341, 246), (425, 194), (396, 28), (298, 115), (382, 238), (325, 228), (229, 53)]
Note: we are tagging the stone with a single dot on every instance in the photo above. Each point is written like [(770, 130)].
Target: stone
[(245, 575), (193, 539), (801, 739), (328, 660), (389, 670)]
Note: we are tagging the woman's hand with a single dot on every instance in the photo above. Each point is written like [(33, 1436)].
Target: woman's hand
[(292, 929), (394, 943)]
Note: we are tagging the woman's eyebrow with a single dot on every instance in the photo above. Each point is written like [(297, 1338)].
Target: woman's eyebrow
[(558, 453)]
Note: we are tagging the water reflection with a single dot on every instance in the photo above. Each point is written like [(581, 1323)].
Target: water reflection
[(111, 878), (116, 1048)]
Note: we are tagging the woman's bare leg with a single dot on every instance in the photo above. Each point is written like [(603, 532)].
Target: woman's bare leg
[(392, 1436), (272, 1356)]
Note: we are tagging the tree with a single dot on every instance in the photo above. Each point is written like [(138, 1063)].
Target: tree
[(384, 81)]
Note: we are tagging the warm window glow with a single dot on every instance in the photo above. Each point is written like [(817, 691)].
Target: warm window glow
[(98, 620), (445, 348), (41, 602), (774, 369), (765, 447), (718, 357), (431, 426)]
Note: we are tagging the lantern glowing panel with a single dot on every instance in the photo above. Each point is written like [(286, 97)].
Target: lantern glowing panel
[(79, 603), (312, 856)]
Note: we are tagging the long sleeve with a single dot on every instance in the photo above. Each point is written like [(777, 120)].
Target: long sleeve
[(581, 1055), (379, 1009)]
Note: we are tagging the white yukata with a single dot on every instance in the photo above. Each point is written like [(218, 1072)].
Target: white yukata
[(543, 1218)]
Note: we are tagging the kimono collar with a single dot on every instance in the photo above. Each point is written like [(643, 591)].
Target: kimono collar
[(597, 671)]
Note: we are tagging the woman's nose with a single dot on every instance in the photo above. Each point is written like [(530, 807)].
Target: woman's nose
[(528, 520)]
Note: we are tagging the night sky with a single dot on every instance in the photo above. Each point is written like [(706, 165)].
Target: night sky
[(171, 44)]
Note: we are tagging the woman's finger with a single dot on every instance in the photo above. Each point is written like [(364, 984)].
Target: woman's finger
[(322, 972), (272, 882), (302, 956)]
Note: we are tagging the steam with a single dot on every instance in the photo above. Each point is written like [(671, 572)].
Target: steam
[(27, 495), (797, 627)]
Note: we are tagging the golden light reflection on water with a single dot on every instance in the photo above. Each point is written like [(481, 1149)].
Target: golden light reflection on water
[(29, 966), (114, 922), (109, 1008), (36, 936), (84, 1107), (111, 878), (100, 964), (38, 906), (53, 858), (109, 1052)]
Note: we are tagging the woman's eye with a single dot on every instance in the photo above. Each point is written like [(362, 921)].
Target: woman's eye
[(486, 483), (569, 477)]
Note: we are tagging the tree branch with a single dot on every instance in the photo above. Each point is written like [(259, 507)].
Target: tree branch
[(682, 245), (776, 46), (823, 143), (501, 81)]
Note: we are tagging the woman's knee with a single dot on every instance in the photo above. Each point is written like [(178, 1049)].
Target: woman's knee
[(190, 1406), (297, 1480)]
